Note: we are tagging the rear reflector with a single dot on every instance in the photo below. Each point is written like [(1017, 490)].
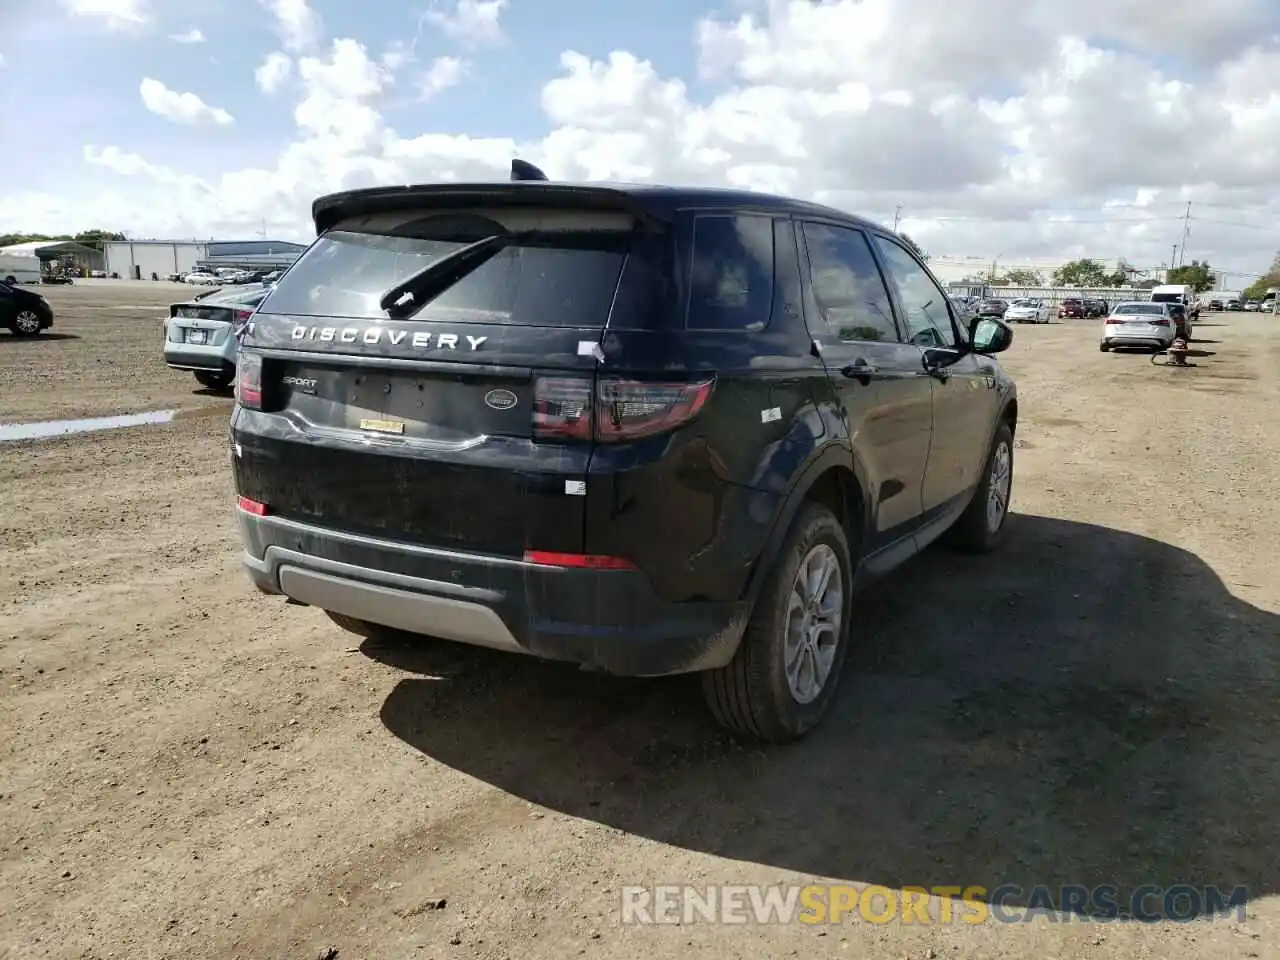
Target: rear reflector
[(251, 506), (579, 561)]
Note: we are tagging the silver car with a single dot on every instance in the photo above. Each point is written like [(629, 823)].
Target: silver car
[(201, 335), (1138, 323)]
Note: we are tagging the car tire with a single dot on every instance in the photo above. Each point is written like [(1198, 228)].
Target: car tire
[(26, 323), (213, 381), (753, 696), (1104, 346), (979, 529)]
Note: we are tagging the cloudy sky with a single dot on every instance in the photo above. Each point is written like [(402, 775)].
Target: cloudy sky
[(1014, 129)]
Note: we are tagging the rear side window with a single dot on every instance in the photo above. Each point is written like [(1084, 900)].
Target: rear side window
[(847, 286), (564, 275), (731, 274)]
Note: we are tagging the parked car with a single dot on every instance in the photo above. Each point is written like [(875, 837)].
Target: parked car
[(1251, 306), (202, 279), (648, 430), (1215, 305), (201, 334), (1140, 324), (25, 312), (1233, 304), (992, 307), (1027, 311), (1094, 307), (1071, 308)]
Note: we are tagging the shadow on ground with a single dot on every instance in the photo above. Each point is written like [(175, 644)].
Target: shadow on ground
[(1086, 707), (42, 338)]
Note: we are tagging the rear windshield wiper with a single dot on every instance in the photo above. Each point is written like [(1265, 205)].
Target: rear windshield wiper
[(414, 292)]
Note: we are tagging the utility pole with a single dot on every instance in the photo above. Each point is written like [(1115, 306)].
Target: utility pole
[(1186, 230), (1173, 260), (897, 217)]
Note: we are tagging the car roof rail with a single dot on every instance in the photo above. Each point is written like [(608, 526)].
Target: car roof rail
[(524, 170)]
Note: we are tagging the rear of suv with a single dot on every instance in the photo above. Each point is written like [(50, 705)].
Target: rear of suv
[(645, 430)]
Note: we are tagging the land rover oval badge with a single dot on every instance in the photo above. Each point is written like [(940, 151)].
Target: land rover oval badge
[(500, 399)]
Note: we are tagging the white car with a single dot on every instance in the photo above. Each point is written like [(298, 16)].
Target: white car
[(1027, 311), (1140, 324), (201, 279)]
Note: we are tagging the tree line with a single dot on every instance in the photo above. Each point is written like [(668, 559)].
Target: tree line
[(90, 238)]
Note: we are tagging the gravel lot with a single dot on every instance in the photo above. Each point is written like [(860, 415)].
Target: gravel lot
[(191, 770)]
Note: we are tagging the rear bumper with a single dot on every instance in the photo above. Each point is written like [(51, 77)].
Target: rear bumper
[(1131, 340), (185, 356), (602, 619)]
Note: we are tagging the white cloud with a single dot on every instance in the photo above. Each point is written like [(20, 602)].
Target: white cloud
[(445, 72), (194, 35), (271, 74), (470, 22), (298, 25), (114, 13), (184, 108), (1004, 129)]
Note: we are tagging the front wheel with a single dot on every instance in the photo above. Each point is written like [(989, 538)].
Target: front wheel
[(980, 527), (782, 680), (26, 324)]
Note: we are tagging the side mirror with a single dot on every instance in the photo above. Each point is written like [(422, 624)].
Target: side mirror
[(989, 335)]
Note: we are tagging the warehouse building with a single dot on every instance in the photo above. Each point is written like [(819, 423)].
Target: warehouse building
[(251, 254), (139, 259)]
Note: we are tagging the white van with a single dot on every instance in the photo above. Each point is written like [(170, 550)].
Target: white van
[(17, 269), (1182, 293)]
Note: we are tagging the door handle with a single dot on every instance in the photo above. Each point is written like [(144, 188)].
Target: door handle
[(860, 370)]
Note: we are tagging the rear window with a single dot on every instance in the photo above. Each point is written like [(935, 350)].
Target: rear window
[(563, 276), (1166, 298), (1151, 309), (731, 277)]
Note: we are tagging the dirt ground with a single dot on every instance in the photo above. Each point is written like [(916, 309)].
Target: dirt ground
[(188, 769)]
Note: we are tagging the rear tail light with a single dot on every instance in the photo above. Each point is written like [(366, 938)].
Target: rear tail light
[(251, 506), (1160, 322), (619, 410), (1112, 321), (249, 381)]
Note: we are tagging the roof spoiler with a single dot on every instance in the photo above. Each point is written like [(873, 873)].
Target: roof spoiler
[(524, 170)]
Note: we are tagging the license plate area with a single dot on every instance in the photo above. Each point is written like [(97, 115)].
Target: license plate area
[(198, 336)]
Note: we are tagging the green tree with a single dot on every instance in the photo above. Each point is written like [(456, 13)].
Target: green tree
[(914, 246), (1020, 277), (1258, 289), (1197, 274), (1081, 273), (97, 238)]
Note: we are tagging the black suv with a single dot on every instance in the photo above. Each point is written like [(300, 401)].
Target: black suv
[(643, 429), (24, 312)]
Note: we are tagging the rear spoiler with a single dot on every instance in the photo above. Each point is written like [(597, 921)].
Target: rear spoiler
[(528, 187)]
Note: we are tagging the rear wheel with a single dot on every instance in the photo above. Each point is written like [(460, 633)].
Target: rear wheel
[(213, 381), (1104, 346), (782, 680), (979, 528), (26, 323)]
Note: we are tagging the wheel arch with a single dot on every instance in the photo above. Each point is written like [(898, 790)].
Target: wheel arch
[(834, 477)]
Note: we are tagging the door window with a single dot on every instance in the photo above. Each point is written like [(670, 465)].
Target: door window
[(847, 286), (924, 304), (731, 279)]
